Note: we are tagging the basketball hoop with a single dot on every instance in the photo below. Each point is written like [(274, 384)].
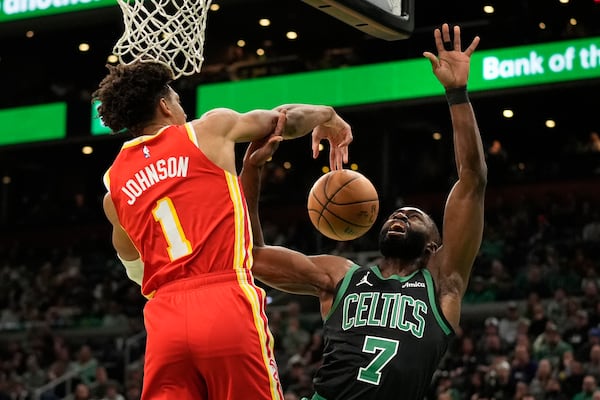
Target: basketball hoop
[(166, 31)]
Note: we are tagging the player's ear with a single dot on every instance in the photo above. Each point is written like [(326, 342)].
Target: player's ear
[(163, 106), (432, 247)]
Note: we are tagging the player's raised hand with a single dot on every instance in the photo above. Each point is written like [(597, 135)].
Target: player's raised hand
[(451, 65), (339, 135)]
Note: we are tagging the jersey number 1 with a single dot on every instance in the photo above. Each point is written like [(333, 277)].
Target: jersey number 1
[(165, 214)]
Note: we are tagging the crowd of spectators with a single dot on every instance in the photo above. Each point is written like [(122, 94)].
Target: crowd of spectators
[(67, 311)]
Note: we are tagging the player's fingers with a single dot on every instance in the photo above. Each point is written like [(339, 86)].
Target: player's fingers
[(435, 62), (280, 123), (341, 159), (457, 44), (337, 159), (437, 35), (446, 35), (345, 155), (469, 50), (315, 146), (273, 143), (332, 162)]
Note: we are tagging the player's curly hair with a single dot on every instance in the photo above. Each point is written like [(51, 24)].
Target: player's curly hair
[(129, 94)]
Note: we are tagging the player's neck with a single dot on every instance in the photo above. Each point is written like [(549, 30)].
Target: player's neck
[(395, 266), (155, 126)]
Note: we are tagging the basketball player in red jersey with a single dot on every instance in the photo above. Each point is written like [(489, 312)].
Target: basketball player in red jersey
[(181, 228)]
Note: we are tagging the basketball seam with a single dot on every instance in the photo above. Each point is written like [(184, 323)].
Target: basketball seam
[(321, 219)]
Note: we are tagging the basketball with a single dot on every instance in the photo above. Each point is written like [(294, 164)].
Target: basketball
[(343, 204)]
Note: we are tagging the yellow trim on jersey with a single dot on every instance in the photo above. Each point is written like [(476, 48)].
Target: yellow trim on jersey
[(239, 248), (191, 133), (264, 334), (141, 139), (251, 243)]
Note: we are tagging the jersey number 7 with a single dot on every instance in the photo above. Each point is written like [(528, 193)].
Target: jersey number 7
[(386, 349)]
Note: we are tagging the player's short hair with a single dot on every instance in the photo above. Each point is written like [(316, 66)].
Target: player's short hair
[(129, 94)]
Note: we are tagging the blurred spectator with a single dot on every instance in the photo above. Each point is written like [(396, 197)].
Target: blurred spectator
[(62, 362), (500, 280), (292, 374), (277, 330), (82, 392), (592, 367), (539, 320), (509, 323), (532, 279), (114, 317), (589, 285), (554, 391), (577, 335), (556, 307), (580, 262), (303, 387), (490, 344), (133, 392), (464, 361), (588, 388), (474, 386), (593, 339), (573, 380), (573, 305), (543, 374), (288, 395), (444, 389), (492, 244), (523, 366), (550, 345), (296, 338), (100, 383), (313, 352), (34, 376), (87, 364), (498, 384), (593, 143), (591, 230), (479, 292), (521, 391), (113, 392)]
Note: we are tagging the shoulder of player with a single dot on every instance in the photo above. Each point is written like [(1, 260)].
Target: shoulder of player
[(217, 122), (217, 116)]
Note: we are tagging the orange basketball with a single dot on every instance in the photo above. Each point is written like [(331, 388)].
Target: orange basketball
[(343, 204)]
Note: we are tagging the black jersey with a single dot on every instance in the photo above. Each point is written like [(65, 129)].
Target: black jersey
[(384, 337)]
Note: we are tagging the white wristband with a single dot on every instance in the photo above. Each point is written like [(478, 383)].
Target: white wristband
[(134, 269)]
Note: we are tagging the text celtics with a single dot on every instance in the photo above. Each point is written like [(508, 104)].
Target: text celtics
[(391, 310), (150, 175)]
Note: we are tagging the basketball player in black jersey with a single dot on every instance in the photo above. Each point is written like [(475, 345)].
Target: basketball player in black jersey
[(387, 326)]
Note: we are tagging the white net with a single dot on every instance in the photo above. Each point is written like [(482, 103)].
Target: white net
[(167, 31)]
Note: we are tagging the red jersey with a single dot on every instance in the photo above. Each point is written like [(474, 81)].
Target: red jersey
[(185, 215)]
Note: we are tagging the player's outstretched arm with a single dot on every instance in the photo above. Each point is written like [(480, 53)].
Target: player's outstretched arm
[(464, 210), (224, 124), (279, 267)]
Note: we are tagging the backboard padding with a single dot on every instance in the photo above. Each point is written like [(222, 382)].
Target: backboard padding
[(374, 17)]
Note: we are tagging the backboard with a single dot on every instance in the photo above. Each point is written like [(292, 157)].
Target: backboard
[(384, 19)]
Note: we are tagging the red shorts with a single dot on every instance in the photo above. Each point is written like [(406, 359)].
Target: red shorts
[(208, 339)]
